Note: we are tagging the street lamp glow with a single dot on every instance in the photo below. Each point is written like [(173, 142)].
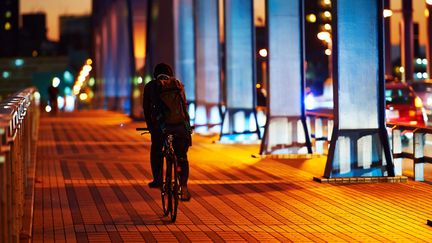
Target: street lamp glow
[(327, 14), (328, 52), (311, 18), (401, 69), (424, 61), (83, 96), (55, 82), (387, 13), (429, 2), (263, 52), (419, 61), (327, 2), (324, 35), (327, 26)]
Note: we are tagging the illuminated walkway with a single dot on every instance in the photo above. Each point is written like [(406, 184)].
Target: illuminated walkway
[(92, 176)]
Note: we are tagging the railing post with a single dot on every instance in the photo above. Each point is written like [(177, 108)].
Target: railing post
[(397, 149), (418, 149), (319, 143)]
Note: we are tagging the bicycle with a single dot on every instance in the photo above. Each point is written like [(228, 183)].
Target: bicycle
[(170, 190)]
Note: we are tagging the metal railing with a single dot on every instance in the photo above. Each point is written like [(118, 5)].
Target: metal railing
[(320, 125), (418, 148), (19, 120)]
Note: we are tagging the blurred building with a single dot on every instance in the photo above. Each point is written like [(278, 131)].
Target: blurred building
[(19, 73), (9, 29), (75, 38), (32, 34)]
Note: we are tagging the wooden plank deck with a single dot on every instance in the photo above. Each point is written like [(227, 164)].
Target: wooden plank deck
[(91, 186)]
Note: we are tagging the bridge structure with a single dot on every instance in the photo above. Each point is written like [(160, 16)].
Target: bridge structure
[(211, 45), (85, 178)]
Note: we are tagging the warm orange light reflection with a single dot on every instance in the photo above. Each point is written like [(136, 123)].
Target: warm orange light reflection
[(139, 44)]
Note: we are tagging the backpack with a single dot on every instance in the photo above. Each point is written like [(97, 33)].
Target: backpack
[(171, 102)]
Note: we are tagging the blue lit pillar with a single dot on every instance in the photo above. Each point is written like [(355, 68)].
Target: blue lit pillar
[(239, 119), (359, 145), (286, 130), (208, 83), (185, 47)]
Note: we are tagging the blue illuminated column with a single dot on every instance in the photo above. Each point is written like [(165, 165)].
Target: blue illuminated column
[(124, 53), (286, 130), (359, 144), (184, 46), (240, 115), (208, 84)]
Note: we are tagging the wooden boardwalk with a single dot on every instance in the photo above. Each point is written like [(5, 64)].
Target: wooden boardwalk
[(91, 186)]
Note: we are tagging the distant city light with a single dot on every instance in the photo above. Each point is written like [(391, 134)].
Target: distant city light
[(429, 2), (401, 69), (89, 61), (91, 82), (419, 75), (68, 77), (328, 52), (35, 53), (67, 91), (55, 82), (147, 79), (60, 102), (327, 14), (425, 75), (8, 14), (419, 61), (327, 2), (424, 61), (83, 96), (7, 26), (387, 13), (263, 52), (5, 74), (327, 26), (426, 13), (140, 80), (311, 18), (258, 86), (36, 95), (19, 62), (324, 35), (48, 108)]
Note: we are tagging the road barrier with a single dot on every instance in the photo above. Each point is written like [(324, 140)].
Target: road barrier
[(19, 120)]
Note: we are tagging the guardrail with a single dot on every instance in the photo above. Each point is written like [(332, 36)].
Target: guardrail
[(417, 156), (320, 124), (19, 119)]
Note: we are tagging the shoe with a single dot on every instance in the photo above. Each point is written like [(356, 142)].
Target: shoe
[(185, 196), (154, 184)]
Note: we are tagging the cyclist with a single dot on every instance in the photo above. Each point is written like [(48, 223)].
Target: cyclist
[(162, 118)]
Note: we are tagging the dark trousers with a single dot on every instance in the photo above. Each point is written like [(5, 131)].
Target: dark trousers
[(181, 145), (156, 156)]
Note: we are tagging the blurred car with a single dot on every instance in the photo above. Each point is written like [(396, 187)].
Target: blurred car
[(423, 89), (403, 106)]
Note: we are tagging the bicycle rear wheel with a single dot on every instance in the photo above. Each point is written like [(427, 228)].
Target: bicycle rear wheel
[(166, 188), (175, 189)]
